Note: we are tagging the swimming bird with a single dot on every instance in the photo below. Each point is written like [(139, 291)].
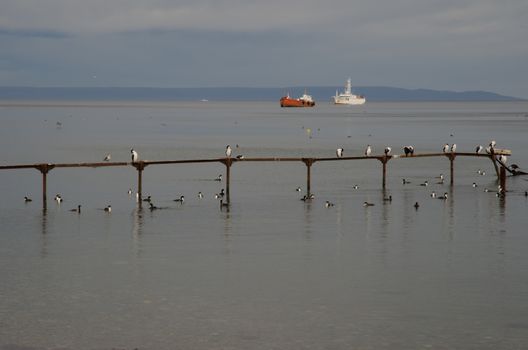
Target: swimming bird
[(387, 150), (328, 204), (148, 199), (425, 183), (339, 152), (223, 205), (107, 157), (77, 210), (486, 190), (134, 156), (453, 148), (219, 178), (58, 199), (27, 199), (298, 189), (355, 187), (181, 199), (474, 184), (444, 196), (228, 151), (416, 205), (446, 148), (152, 207), (526, 193), (514, 166), (367, 204), (129, 192), (478, 149), (388, 199), (368, 151), (433, 194), (200, 195), (108, 209), (405, 182)]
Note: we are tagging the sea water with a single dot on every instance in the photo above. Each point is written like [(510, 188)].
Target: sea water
[(272, 272)]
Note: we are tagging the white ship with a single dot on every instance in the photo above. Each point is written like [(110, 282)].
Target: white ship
[(347, 97)]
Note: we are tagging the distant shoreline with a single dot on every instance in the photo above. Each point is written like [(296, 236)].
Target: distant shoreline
[(235, 94)]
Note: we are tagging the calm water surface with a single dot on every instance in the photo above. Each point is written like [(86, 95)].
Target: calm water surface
[(273, 272)]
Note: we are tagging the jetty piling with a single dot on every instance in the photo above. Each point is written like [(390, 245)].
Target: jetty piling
[(44, 168)]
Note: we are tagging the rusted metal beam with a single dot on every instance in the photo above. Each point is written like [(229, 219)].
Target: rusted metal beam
[(502, 180), (308, 162)]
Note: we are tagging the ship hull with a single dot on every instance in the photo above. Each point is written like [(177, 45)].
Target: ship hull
[(349, 100), (295, 102)]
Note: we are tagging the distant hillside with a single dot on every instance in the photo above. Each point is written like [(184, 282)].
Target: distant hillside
[(372, 93)]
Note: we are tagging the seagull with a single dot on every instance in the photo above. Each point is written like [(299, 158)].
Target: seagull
[(387, 150), (108, 209), (134, 156), (27, 199), (453, 148), (77, 210), (200, 195), (368, 151), (339, 153), (222, 193), (488, 150), (367, 204), (503, 159), (328, 204), (228, 151), (107, 157), (181, 199), (492, 144), (416, 205), (478, 149), (446, 148)]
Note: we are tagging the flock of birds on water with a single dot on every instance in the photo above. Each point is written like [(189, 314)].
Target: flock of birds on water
[(408, 151)]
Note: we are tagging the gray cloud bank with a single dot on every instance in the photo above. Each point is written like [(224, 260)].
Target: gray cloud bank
[(441, 44)]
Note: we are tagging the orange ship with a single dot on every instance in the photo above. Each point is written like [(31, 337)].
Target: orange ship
[(303, 101)]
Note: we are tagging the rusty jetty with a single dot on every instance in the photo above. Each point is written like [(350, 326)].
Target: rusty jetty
[(140, 165)]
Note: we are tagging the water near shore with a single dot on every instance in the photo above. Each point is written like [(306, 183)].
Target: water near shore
[(273, 272)]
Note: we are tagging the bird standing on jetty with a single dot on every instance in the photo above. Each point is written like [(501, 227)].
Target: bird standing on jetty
[(387, 150), (408, 150), (453, 148), (368, 151), (478, 149), (339, 153), (446, 148), (228, 151), (134, 156), (503, 159), (107, 157)]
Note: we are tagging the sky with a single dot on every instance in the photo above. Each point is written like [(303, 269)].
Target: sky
[(454, 45)]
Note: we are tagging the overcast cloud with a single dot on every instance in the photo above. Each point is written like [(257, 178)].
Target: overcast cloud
[(439, 44)]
